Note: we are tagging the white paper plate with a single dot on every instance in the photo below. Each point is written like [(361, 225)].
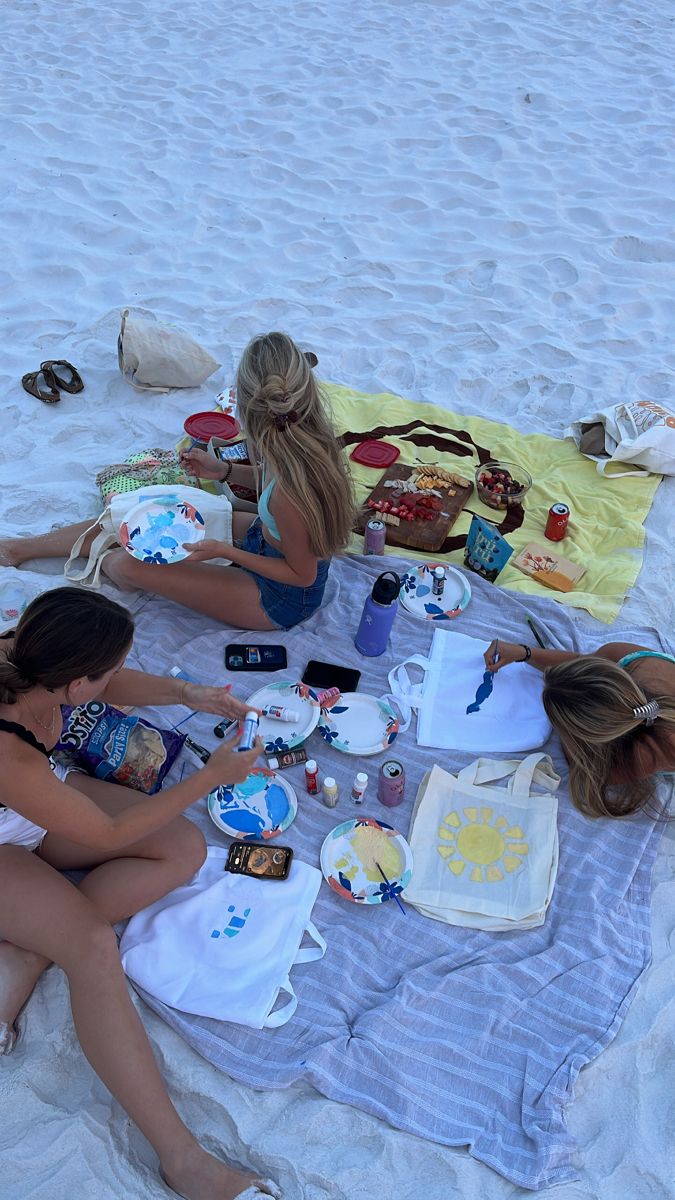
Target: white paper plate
[(416, 594), (263, 806), (155, 530), (359, 724), (280, 736), (348, 857)]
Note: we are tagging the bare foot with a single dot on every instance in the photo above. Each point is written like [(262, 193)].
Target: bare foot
[(19, 972), (200, 1176), (9, 553)]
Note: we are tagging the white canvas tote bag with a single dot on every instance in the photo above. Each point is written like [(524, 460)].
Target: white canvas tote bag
[(216, 511), (638, 433), (155, 357), (223, 945), (486, 857), (512, 718)]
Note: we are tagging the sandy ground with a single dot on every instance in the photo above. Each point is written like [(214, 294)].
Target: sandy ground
[(462, 203)]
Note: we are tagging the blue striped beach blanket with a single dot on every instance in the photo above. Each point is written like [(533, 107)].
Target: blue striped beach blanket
[(462, 1037)]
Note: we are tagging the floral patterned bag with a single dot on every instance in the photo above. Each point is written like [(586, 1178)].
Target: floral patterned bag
[(142, 469)]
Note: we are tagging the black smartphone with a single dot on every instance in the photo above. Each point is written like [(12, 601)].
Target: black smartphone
[(260, 860), (326, 675), (255, 658)]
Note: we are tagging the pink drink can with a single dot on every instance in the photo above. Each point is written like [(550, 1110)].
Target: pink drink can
[(375, 537), (391, 783)]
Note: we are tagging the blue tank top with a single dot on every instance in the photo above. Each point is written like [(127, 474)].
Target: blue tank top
[(264, 508), (636, 654)]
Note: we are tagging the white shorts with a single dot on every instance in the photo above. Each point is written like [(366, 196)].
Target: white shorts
[(16, 830)]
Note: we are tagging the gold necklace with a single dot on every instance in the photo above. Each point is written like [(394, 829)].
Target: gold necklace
[(47, 728)]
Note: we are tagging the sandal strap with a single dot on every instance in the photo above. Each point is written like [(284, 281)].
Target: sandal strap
[(30, 384), (72, 385)]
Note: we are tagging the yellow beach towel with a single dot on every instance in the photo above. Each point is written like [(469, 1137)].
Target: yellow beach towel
[(605, 533)]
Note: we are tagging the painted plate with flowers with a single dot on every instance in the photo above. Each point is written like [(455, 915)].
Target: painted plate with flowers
[(280, 736), (263, 806), (417, 595), (154, 530), (349, 858), (359, 724)]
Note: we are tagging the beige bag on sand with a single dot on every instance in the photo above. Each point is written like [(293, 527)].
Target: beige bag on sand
[(156, 358), (486, 857), (216, 511)]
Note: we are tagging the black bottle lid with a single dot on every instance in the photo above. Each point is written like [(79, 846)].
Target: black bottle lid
[(386, 588)]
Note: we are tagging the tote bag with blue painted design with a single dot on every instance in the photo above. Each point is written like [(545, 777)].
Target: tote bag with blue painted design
[(223, 945)]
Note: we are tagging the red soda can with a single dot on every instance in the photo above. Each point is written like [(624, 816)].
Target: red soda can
[(375, 537), (556, 525), (391, 783)]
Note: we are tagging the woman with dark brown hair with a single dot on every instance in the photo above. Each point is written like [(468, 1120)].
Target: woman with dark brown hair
[(614, 712), (69, 648)]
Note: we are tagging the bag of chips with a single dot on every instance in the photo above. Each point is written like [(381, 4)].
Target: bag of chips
[(112, 745)]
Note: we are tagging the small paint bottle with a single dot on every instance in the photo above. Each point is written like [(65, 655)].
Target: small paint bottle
[(330, 792), (277, 713), (438, 581), (359, 787), (249, 730), (289, 758), (312, 777)]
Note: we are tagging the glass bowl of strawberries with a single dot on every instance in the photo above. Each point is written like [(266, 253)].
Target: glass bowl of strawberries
[(502, 484)]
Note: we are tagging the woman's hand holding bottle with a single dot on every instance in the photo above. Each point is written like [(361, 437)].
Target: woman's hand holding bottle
[(227, 765)]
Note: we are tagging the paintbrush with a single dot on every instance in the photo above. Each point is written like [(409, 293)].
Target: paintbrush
[(390, 887), (536, 632)]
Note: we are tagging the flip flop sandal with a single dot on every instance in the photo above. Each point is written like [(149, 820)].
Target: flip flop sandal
[(72, 385), (30, 384)]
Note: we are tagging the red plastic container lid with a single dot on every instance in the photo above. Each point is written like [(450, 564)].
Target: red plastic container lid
[(205, 425), (375, 454)]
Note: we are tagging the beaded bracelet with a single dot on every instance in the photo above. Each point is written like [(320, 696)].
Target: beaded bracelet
[(528, 653), (228, 471)]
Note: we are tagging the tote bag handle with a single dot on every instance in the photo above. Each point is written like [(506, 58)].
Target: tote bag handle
[(102, 545), (305, 954), (402, 688), (524, 771)]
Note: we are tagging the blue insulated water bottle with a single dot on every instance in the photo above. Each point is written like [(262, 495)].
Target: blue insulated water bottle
[(378, 615)]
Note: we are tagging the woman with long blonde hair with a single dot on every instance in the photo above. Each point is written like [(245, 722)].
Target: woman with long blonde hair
[(614, 712), (305, 505)]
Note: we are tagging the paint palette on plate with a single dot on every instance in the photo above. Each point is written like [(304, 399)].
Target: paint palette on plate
[(263, 806), (154, 530)]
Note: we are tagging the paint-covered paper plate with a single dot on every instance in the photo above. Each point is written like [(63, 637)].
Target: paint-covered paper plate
[(154, 531), (349, 856), (260, 807), (417, 596), (280, 736), (359, 724)]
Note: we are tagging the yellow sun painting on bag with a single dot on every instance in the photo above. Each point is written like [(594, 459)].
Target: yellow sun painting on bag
[(482, 843)]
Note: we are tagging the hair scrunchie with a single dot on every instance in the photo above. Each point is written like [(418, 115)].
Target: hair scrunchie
[(282, 420)]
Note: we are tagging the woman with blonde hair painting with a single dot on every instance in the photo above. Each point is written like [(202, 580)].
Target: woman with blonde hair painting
[(614, 712), (305, 506)]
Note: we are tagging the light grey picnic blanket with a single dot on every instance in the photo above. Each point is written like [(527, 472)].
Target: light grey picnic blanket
[(459, 1036)]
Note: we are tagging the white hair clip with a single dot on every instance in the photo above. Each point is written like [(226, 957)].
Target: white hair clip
[(647, 712)]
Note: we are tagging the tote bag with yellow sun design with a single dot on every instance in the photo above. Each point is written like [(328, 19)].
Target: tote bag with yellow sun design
[(486, 857)]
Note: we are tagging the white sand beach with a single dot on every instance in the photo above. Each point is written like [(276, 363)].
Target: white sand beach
[(462, 203)]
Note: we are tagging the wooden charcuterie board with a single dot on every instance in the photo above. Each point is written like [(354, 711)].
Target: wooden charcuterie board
[(416, 535)]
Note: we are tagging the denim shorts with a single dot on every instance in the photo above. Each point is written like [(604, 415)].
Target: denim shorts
[(284, 604)]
